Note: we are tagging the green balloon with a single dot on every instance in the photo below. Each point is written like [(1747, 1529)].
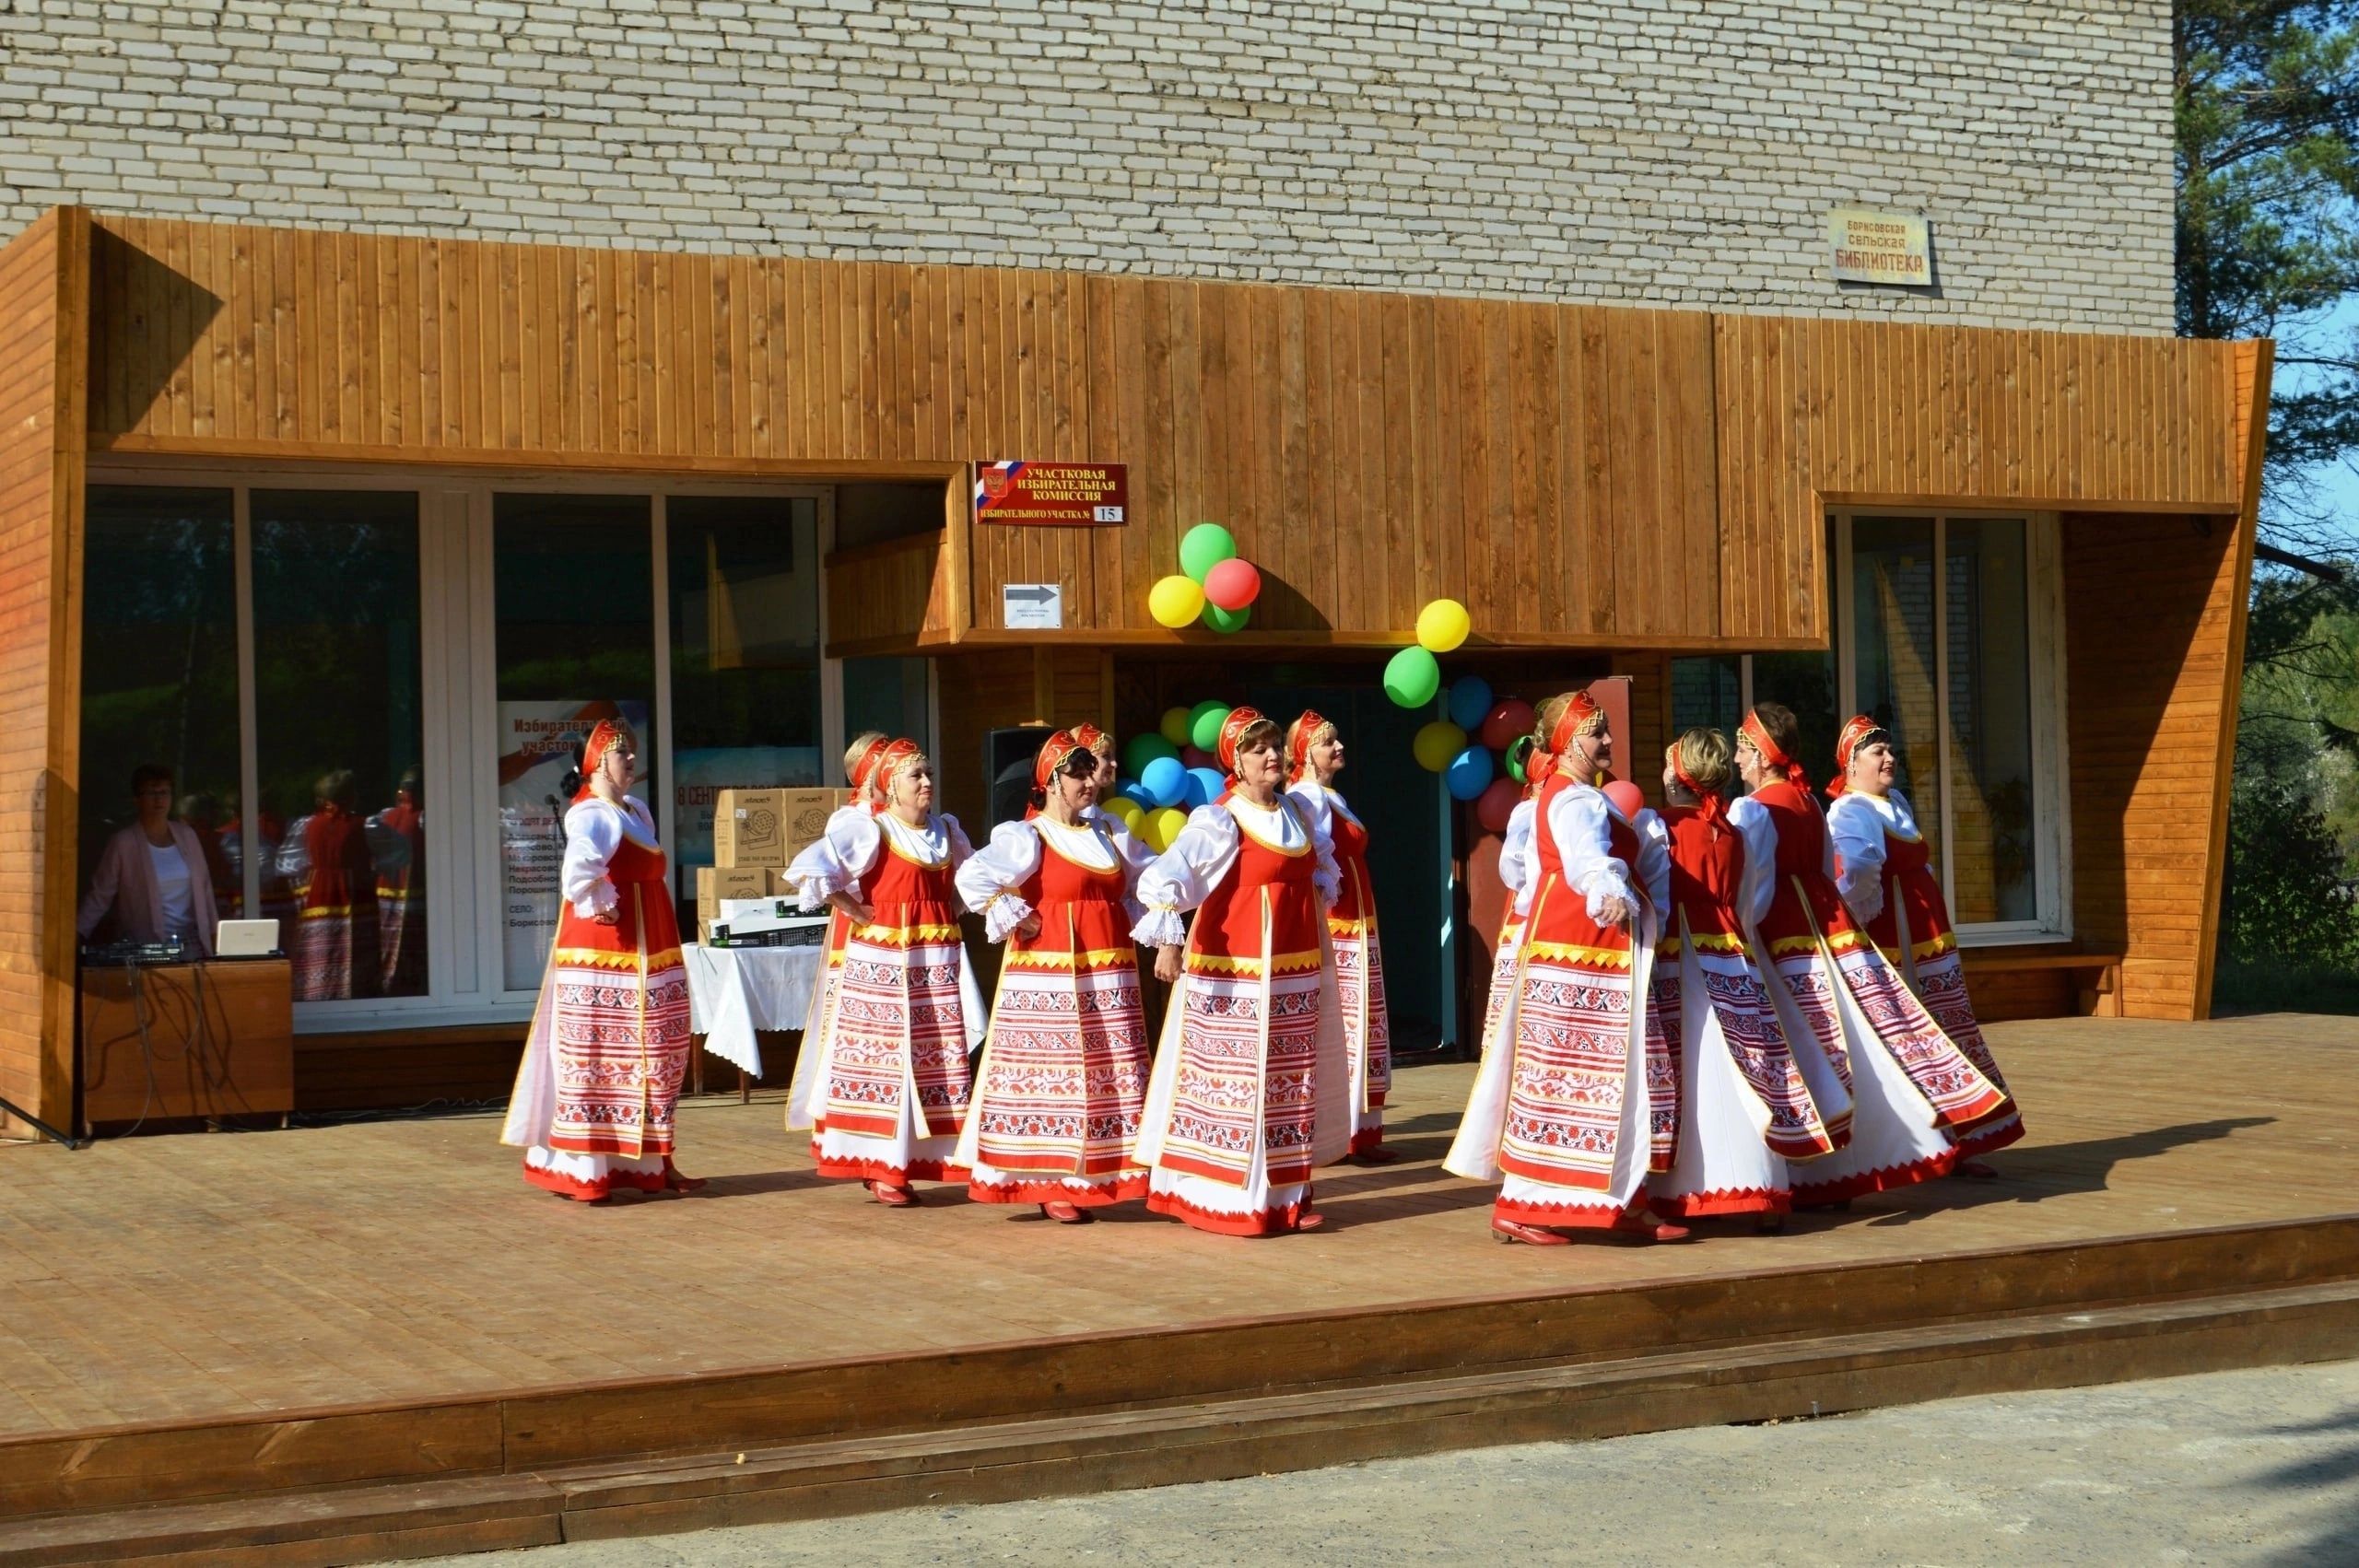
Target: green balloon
[(1203, 547), (1222, 620), (1412, 677), (1203, 727), (1144, 748), (1517, 750)]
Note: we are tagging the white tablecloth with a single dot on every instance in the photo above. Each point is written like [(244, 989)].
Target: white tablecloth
[(734, 990)]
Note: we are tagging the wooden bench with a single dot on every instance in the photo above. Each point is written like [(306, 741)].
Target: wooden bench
[(2036, 982)]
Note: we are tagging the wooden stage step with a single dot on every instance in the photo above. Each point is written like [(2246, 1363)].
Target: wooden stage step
[(1188, 1403)]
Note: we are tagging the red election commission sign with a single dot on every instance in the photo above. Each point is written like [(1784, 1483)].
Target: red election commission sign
[(1052, 495)]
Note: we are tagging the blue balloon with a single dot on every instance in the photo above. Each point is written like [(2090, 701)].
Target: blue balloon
[(1165, 780), (1469, 773), (1204, 785), (1137, 793), (1470, 701)]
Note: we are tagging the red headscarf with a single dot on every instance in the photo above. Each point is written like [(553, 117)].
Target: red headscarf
[(1301, 735), (896, 756), (1752, 730), (1582, 716), (1232, 730), (1856, 733), (1712, 805), (604, 736)]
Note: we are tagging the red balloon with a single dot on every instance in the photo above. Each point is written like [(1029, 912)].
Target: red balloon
[(1496, 803), (1196, 756), (1508, 718), (1233, 584), (1627, 798)]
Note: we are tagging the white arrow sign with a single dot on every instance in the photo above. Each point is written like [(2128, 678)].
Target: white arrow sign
[(1032, 607)]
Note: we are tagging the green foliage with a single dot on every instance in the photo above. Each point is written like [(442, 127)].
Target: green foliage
[(2289, 902)]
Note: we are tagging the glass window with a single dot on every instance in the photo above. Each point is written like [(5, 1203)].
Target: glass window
[(573, 583), (1707, 693), (886, 695), (159, 677), (1805, 683), (743, 579), (1893, 669), (339, 738), (1993, 873)]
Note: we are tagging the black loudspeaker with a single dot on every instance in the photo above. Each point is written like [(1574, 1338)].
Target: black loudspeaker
[(1008, 756)]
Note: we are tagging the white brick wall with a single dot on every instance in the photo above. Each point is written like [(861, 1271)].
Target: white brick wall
[(1667, 152)]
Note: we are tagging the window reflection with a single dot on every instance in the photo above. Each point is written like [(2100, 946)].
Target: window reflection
[(1994, 876), (1893, 674), (160, 678), (339, 735)]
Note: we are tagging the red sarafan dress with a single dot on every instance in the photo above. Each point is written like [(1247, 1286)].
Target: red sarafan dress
[(1563, 1114), (1912, 1091), (885, 1087), (1251, 1083), (1064, 1071), (1749, 1109), (1359, 961), (401, 903), (337, 950), (600, 1079), (1884, 872)]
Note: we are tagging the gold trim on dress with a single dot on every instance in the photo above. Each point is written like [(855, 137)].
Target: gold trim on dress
[(1097, 834), (1285, 805), (890, 828), (604, 958)]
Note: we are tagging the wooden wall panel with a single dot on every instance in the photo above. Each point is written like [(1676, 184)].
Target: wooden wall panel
[(1580, 476), (2151, 607), (42, 275), (1815, 412), (878, 594)]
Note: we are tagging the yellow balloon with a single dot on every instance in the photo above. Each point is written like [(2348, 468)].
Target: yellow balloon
[(1124, 810), (1436, 744), (1442, 626), (1174, 727), (1176, 601), (1164, 826)]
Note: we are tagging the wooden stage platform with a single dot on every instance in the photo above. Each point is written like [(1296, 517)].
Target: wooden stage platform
[(330, 1344)]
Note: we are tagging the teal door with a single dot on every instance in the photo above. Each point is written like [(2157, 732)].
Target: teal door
[(1408, 857)]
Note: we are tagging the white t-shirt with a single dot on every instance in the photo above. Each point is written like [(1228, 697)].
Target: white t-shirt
[(172, 882)]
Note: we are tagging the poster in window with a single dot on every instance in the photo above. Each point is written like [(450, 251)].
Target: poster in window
[(538, 744)]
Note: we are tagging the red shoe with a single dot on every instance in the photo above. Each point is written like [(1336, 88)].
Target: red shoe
[(1065, 1213), (1530, 1235), (675, 1182), (1975, 1169), (892, 1196), (1306, 1221), (1379, 1155), (1652, 1230)]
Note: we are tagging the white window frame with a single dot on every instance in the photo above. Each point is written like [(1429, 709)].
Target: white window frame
[(2043, 623), (459, 696)]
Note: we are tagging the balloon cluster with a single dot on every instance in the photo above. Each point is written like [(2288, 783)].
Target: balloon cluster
[(1212, 584), (1461, 746), (1168, 773)]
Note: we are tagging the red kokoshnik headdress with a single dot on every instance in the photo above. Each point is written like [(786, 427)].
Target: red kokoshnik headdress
[(1771, 754), (1856, 733), (604, 736), (1301, 735), (1711, 806), (1582, 716), (863, 770), (1089, 738), (1054, 752), (1232, 730), (898, 755)]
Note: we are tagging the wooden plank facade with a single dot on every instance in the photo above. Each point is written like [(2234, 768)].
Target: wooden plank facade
[(1628, 482)]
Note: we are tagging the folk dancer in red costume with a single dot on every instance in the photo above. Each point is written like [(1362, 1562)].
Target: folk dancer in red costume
[(401, 890), (1914, 1093), (1251, 1083), (1751, 1106), (1055, 1119), (1883, 869), (1563, 1114), (595, 1094), (859, 772), (338, 950), (886, 1087), (1314, 756)]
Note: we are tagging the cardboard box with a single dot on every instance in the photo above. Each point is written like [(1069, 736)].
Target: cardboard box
[(717, 883), (767, 827)]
